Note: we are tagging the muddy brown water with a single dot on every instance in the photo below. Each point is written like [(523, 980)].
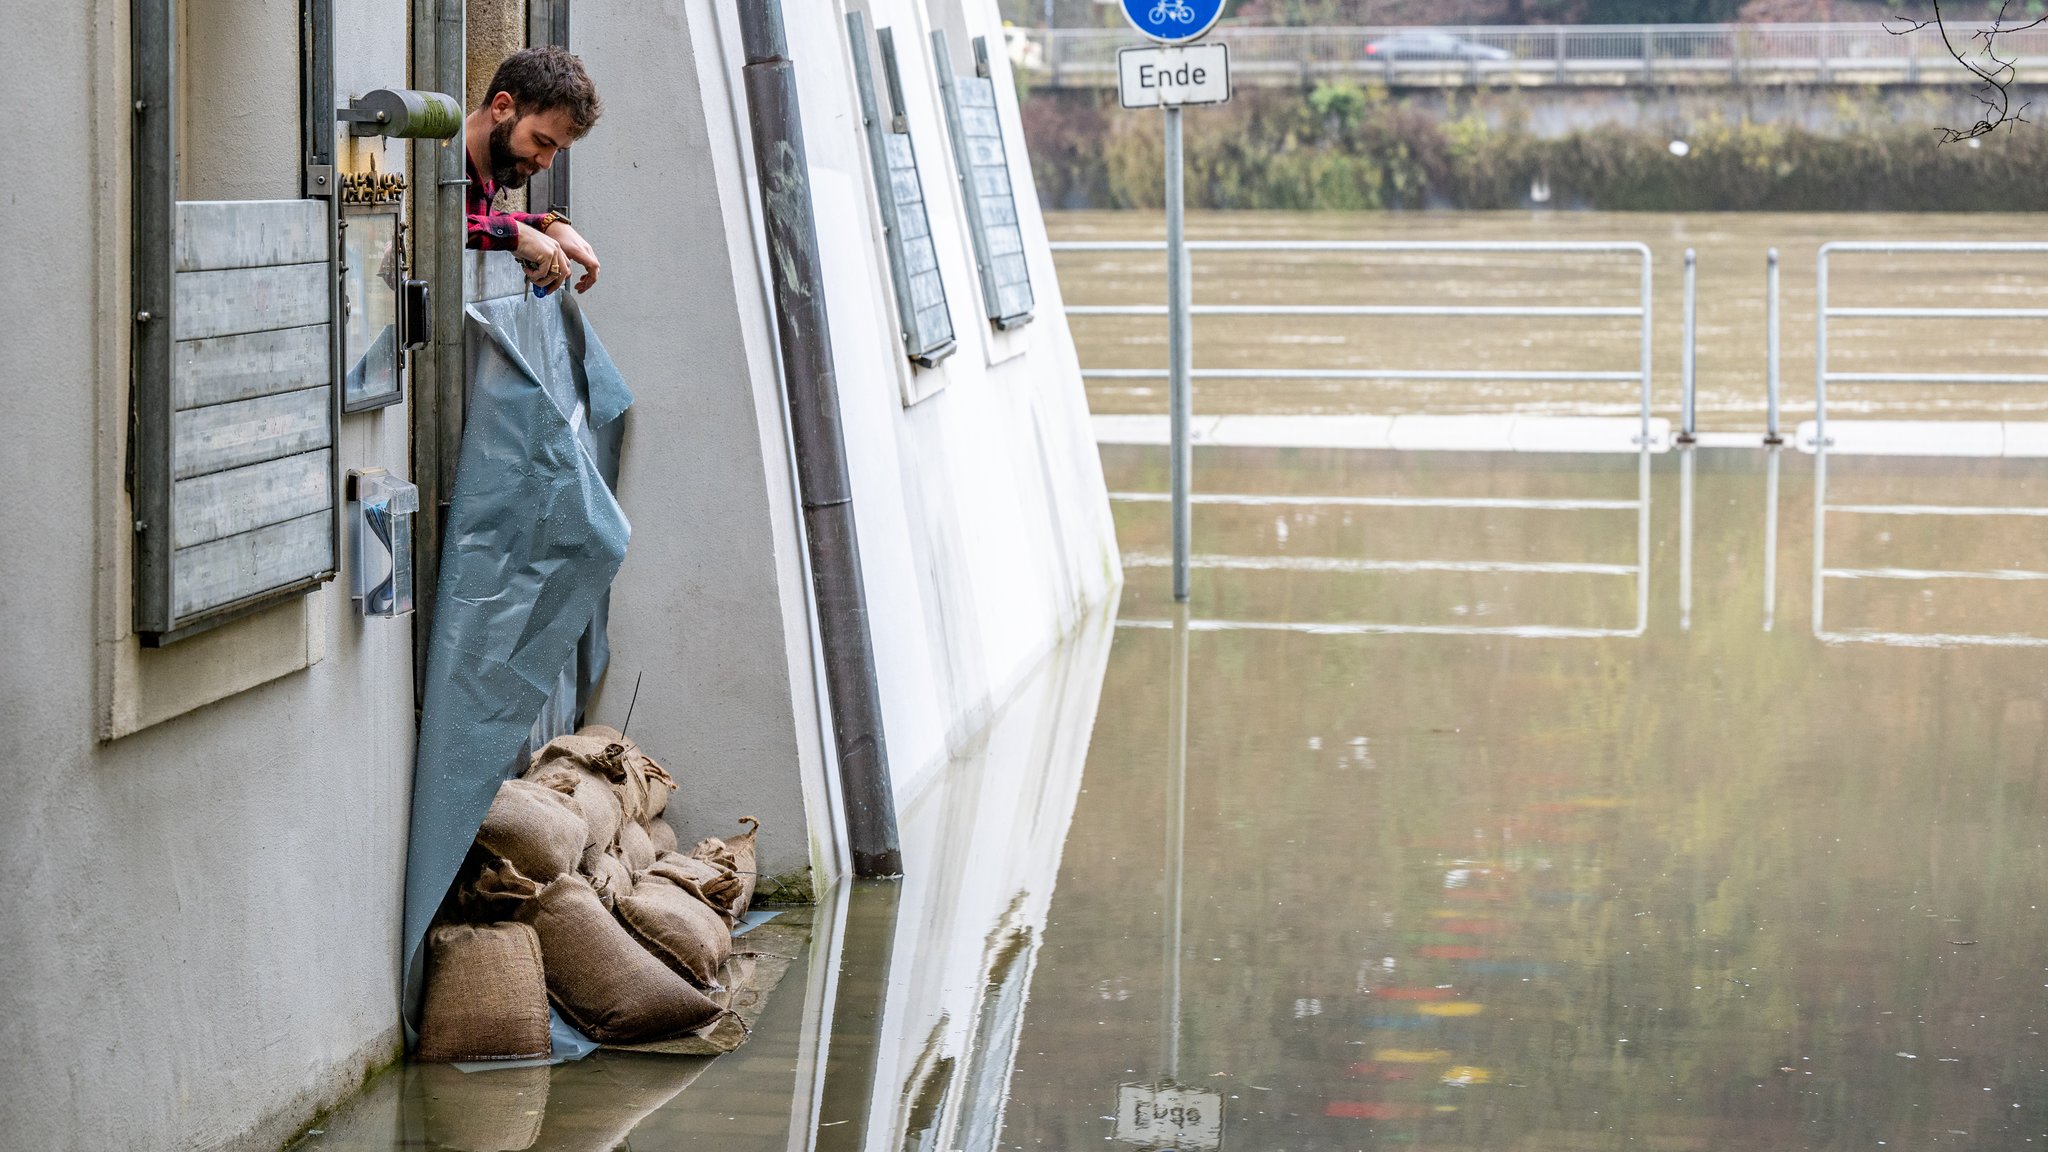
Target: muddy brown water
[(1487, 837)]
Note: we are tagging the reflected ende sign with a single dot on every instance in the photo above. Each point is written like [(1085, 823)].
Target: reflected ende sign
[(1169, 1116)]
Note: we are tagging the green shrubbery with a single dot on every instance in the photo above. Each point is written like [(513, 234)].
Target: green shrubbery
[(1343, 146)]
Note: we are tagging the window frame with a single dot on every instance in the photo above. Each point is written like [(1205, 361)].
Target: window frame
[(150, 468), (971, 198), (924, 349)]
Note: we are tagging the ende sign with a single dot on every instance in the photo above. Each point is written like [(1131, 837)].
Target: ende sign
[(1172, 77)]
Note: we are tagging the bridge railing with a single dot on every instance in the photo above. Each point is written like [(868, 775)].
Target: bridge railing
[(1592, 55)]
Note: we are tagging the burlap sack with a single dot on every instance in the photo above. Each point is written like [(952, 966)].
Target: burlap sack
[(641, 785), (538, 828), (595, 796), (662, 834), (680, 929), (608, 875), (636, 847), (486, 995), (644, 784), (601, 979), (712, 883), (736, 854)]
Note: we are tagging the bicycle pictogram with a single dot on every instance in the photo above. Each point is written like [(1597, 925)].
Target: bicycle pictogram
[(1175, 10)]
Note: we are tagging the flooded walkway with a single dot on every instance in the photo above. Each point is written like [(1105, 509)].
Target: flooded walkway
[(1441, 823)]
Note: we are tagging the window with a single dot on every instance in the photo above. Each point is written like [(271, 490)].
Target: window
[(984, 163), (232, 469), (927, 325)]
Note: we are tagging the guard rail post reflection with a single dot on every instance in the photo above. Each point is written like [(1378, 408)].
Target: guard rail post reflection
[(1687, 463), (1775, 451)]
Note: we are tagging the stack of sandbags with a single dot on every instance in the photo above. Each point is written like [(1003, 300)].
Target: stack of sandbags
[(575, 863)]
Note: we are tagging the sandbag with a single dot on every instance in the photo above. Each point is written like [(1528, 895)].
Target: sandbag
[(539, 828), (636, 847), (738, 855), (680, 929), (601, 979), (663, 835), (712, 883), (643, 784), (595, 797), (486, 996), (608, 875)]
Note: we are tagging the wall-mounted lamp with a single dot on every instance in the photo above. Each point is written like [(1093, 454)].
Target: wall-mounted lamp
[(402, 112)]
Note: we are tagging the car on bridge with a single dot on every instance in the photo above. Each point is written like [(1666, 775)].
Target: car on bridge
[(1431, 46)]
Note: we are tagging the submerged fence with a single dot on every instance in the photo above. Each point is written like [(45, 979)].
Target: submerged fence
[(1615, 55)]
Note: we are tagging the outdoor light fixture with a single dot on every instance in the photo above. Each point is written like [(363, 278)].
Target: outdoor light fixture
[(402, 113), (380, 511)]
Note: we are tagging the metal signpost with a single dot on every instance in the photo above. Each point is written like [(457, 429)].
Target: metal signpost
[(1172, 76)]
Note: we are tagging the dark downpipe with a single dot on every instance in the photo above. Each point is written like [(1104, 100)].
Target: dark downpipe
[(812, 392)]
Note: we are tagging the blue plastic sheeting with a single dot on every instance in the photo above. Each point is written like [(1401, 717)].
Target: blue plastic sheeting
[(530, 546)]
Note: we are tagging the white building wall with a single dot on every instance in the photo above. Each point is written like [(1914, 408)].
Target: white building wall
[(984, 524), (202, 916)]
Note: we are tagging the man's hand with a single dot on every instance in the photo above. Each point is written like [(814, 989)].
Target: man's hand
[(541, 256), (576, 248)]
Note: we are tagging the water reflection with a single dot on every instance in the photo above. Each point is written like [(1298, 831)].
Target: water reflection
[(1692, 884)]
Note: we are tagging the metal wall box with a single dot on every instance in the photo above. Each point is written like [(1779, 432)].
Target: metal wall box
[(984, 164), (372, 284), (380, 511), (913, 259)]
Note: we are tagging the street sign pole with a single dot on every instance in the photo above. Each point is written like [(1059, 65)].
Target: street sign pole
[(1180, 341), (1177, 73)]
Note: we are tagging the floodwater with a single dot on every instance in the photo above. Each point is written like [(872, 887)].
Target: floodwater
[(1731, 342), (1477, 801)]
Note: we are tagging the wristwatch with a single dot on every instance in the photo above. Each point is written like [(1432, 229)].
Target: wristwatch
[(550, 219)]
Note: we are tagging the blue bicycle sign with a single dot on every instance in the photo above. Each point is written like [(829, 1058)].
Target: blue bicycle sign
[(1173, 21)]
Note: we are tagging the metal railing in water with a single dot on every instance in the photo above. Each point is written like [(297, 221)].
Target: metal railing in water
[(1823, 572), (1551, 55), (1640, 312), (1638, 573), (1824, 312)]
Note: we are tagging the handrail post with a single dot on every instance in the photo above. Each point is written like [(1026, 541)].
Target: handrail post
[(1820, 351), (1643, 437), (1688, 429), (1771, 433)]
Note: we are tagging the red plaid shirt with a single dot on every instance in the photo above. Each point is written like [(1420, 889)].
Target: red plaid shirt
[(491, 230)]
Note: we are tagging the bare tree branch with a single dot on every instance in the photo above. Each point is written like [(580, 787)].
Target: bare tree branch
[(1995, 73)]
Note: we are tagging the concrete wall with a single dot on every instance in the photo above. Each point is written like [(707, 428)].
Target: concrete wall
[(203, 915), (711, 604)]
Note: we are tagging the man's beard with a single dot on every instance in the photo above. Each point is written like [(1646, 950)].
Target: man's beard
[(505, 170)]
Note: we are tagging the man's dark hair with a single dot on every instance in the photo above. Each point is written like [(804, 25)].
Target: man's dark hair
[(545, 78)]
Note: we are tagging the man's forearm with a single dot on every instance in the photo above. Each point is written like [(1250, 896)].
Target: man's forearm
[(499, 231)]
